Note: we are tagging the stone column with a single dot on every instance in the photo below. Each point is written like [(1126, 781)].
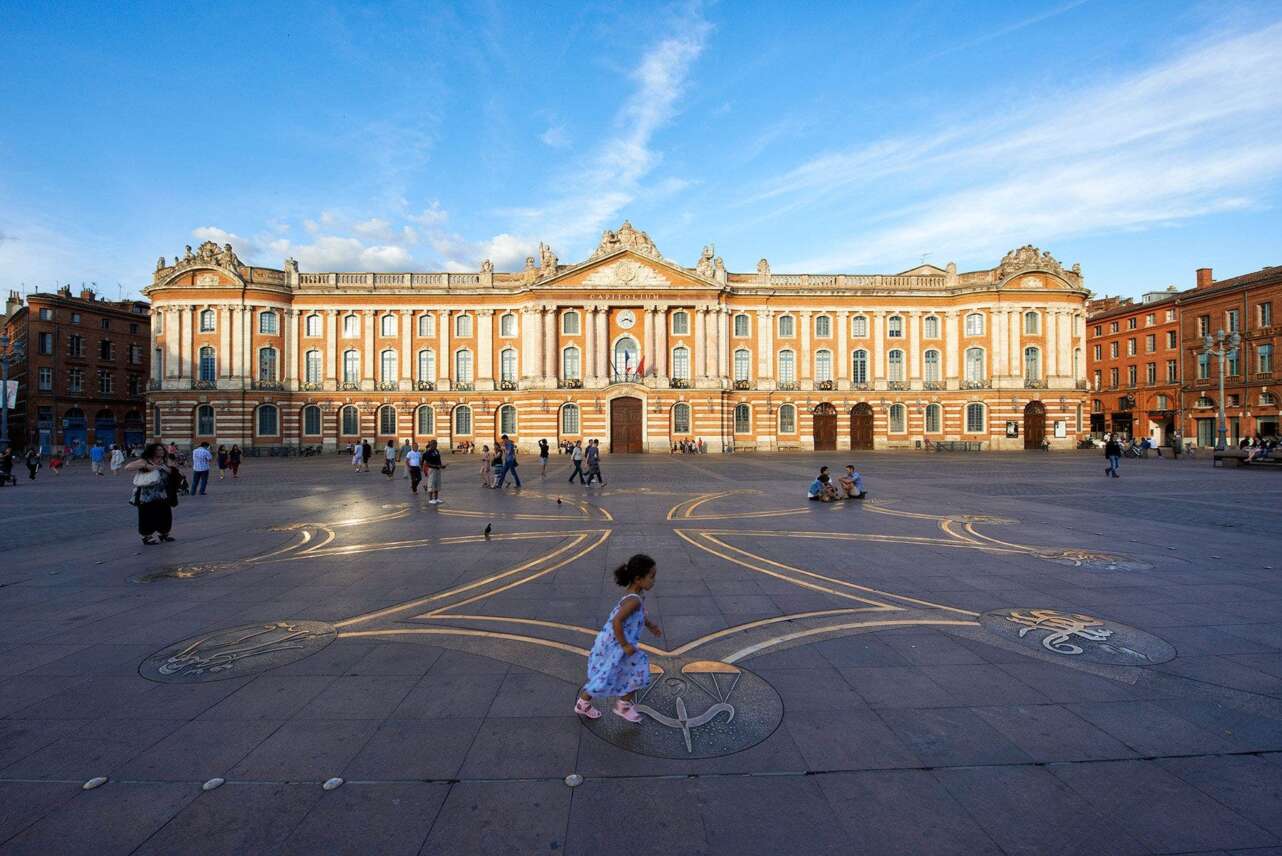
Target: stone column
[(723, 346), (998, 349), (529, 338), (661, 366), (171, 342), (330, 319), (1050, 353), (878, 373), (952, 346), (914, 348), (549, 347), (290, 357), (765, 345), (1016, 356), (806, 358), (237, 344), (650, 337), (184, 344), (369, 371), (587, 365), (223, 316), (700, 349), (485, 349), (603, 344), (842, 357), (444, 359)]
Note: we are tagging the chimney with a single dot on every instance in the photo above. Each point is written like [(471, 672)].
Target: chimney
[(87, 293), (1204, 278)]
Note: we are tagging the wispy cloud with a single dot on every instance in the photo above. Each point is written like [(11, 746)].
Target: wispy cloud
[(555, 136), (1189, 136)]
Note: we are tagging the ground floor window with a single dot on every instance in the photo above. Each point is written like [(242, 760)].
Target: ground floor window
[(934, 418), (311, 420), (570, 419), (787, 419), (897, 421), (975, 418), (742, 419), (351, 421), (205, 420), (268, 421), (681, 419), (387, 420), (1206, 432), (463, 420), (426, 420)]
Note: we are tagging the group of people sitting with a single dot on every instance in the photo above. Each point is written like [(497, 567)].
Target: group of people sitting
[(1258, 448), (690, 447), (848, 486)]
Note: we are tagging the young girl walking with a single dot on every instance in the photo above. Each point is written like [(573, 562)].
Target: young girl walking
[(616, 666)]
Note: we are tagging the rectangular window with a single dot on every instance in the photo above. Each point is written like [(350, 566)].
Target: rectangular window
[(1150, 343), (76, 346), (1264, 314), (741, 325), (133, 329), (135, 355), (1131, 323), (1130, 347), (135, 384), (1099, 330), (105, 323), (106, 351), (507, 325), (823, 327), (681, 324), (895, 327), (859, 326), (1150, 319), (1112, 377), (1204, 325), (1112, 327), (267, 323), (1097, 379), (1150, 373), (1172, 371), (1113, 349), (44, 343), (930, 328), (1203, 366), (463, 326), (1170, 315), (569, 324), (46, 314), (76, 380), (1099, 353), (104, 383), (1170, 339), (1130, 375), (1234, 367), (46, 379), (786, 326), (312, 326), (1265, 355), (207, 321), (1231, 320), (427, 325)]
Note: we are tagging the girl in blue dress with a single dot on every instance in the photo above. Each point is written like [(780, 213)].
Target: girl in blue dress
[(616, 666)]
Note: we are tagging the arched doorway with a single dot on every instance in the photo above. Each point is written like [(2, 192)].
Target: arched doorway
[(861, 426), (75, 433), (825, 422), (1034, 425), (135, 430), (104, 428), (625, 424)]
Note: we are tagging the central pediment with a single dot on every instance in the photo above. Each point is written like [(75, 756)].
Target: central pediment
[(627, 269)]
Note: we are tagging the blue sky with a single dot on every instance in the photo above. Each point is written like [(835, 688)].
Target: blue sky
[(1143, 139)]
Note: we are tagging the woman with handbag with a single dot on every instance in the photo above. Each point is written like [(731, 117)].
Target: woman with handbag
[(152, 494)]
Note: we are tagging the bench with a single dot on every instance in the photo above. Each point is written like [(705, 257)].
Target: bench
[(1237, 458), (955, 446)]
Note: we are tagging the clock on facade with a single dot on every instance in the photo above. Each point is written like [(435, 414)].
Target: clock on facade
[(627, 319)]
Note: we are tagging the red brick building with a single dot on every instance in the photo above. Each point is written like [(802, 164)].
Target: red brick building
[(1133, 365), (1246, 304), (82, 378)]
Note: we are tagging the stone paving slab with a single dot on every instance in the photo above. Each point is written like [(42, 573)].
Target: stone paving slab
[(443, 697)]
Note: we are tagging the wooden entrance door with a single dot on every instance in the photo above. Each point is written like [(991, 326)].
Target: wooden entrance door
[(625, 424), (1034, 425), (861, 426), (825, 419)]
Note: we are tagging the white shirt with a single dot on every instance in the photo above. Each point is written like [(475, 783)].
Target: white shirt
[(413, 458), (200, 458)]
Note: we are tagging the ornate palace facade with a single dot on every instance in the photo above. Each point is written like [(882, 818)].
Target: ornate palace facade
[(626, 346)]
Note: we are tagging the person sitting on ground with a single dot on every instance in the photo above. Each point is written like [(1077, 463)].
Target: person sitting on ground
[(821, 489), (852, 483)]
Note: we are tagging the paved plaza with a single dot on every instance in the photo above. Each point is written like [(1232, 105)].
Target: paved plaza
[(1005, 654)]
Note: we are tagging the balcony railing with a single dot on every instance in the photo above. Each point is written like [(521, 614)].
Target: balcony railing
[(625, 377), (507, 383), (788, 385), (987, 383), (311, 386), (825, 385), (424, 385), (1034, 383), (155, 384), (387, 386), (1083, 385), (1263, 375), (898, 385), (349, 386), (861, 385), (568, 383), (270, 385), (679, 383), (743, 384), (933, 384), (466, 386), (204, 384)]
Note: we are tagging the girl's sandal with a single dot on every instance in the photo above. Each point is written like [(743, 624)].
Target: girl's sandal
[(626, 710), (585, 708)]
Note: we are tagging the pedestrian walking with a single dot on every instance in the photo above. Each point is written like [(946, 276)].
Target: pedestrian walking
[(154, 493), (233, 460), (434, 468), (55, 463), (496, 464), (405, 450), (593, 457), (1113, 454), (1177, 444), (96, 454), (576, 456), (222, 462), (414, 467), (509, 463), (543, 458), (6, 466), (201, 458), (367, 452), (617, 666), (33, 462), (487, 470), (117, 459), (389, 459)]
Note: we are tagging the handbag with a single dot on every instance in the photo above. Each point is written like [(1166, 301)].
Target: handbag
[(151, 478)]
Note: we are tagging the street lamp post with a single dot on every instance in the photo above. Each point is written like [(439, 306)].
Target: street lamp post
[(1227, 346)]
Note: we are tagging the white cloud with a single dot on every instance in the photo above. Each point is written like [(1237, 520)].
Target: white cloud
[(433, 215), (385, 258), (555, 136), (1190, 136), (374, 227)]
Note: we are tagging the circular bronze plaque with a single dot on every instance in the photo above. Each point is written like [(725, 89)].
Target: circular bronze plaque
[(1079, 636), (1093, 561), (694, 709), (237, 651)]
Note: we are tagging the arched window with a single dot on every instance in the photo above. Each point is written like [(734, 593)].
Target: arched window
[(158, 360), (681, 363), (507, 365), (1032, 323), (930, 327), (895, 365), (974, 324), (570, 364), (823, 326), (463, 419), (570, 323), (934, 418), (427, 364), (859, 366), (426, 420), (352, 366), (387, 366), (897, 419), (859, 326), (787, 419), (680, 323), (311, 420), (207, 321), (268, 421), (267, 322), (787, 327), (570, 419), (312, 326), (681, 418), (387, 325), (742, 326), (823, 365), (742, 419), (507, 324), (975, 418), (1032, 364), (742, 364), (507, 419), (208, 366), (895, 327), (205, 420), (387, 420), (312, 367), (463, 367), (974, 365), (427, 325), (787, 367), (931, 363), (351, 326), (463, 326), (351, 421), (1077, 362), (267, 364), (625, 357)]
